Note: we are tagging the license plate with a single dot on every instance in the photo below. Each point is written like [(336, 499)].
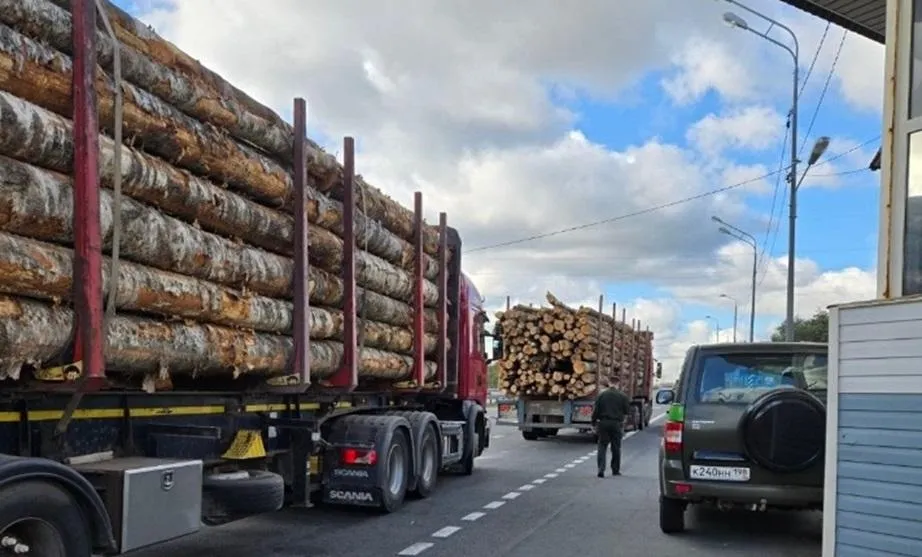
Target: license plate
[(719, 473)]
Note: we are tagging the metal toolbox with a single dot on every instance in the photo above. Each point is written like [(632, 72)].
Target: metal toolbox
[(149, 500)]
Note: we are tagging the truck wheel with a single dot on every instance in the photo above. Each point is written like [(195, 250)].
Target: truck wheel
[(428, 463), (38, 518), (550, 432), (671, 515), (529, 435), (232, 495), (396, 467)]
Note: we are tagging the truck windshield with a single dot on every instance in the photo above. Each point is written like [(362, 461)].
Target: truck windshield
[(741, 378)]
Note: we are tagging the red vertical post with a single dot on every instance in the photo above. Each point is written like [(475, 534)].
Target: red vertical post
[(441, 357), (348, 375), (88, 303), (614, 332), (635, 328), (419, 333), (301, 315)]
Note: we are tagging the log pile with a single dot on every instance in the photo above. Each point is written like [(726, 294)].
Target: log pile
[(563, 352), (204, 286)]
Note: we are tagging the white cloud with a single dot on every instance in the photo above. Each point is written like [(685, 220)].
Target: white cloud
[(751, 127), (453, 99)]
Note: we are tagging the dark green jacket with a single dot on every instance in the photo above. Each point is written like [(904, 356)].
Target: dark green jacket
[(611, 405)]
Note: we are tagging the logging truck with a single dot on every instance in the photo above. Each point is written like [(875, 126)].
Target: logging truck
[(203, 316), (554, 359)]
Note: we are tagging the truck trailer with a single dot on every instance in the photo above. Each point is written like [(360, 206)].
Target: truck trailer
[(126, 424), (550, 349)]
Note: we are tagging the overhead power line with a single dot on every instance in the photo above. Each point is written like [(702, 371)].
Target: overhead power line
[(656, 208)]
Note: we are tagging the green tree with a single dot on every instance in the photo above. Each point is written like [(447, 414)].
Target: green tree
[(814, 329)]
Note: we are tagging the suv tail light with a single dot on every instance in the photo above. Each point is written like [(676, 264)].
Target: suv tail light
[(367, 457), (672, 436)]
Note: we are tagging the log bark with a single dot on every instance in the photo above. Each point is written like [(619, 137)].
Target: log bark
[(41, 75), (38, 270), (38, 204), (32, 332), (42, 138)]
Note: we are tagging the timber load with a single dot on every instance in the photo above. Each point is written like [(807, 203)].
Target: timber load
[(562, 352), (203, 223)]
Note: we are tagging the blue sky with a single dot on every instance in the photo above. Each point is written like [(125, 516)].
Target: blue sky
[(837, 227)]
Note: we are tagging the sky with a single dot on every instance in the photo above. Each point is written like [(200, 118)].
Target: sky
[(529, 122)]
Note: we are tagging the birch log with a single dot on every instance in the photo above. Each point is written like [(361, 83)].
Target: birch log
[(39, 270), (38, 204), (41, 75), (32, 332), (42, 138), (156, 65)]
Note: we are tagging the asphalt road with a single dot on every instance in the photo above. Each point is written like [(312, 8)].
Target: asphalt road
[(526, 499)]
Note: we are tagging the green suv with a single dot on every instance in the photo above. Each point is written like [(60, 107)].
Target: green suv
[(746, 429)]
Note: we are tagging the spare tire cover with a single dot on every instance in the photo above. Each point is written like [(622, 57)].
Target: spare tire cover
[(784, 430)]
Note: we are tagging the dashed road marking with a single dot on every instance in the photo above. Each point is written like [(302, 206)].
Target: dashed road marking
[(416, 548), (445, 532)]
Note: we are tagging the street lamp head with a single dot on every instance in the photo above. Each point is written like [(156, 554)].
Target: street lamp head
[(818, 149), (733, 20), (716, 219), (724, 230), (725, 296)]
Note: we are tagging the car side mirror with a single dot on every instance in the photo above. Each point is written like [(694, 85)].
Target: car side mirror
[(665, 396)]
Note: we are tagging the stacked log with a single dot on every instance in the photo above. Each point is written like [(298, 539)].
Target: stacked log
[(206, 242), (564, 352)]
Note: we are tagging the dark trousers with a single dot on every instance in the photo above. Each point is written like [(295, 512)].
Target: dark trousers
[(610, 433)]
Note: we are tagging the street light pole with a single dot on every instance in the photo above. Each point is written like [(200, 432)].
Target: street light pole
[(736, 306), (736, 21), (743, 236), (716, 326)]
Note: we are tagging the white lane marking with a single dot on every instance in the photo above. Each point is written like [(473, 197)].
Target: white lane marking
[(473, 516), (494, 504), (416, 548), (571, 465), (445, 532), (629, 434), (656, 418), (539, 481), (498, 436), (527, 487), (551, 475), (511, 495), (560, 470)]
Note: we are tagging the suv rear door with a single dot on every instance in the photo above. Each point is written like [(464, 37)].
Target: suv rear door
[(728, 438)]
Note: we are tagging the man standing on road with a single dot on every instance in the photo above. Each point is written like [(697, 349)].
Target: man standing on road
[(608, 413)]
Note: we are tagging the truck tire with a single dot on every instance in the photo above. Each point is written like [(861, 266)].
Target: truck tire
[(44, 519), (671, 515), (467, 463), (396, 468), (426, 440), (429, 463), (529, 435), (233, 495)]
